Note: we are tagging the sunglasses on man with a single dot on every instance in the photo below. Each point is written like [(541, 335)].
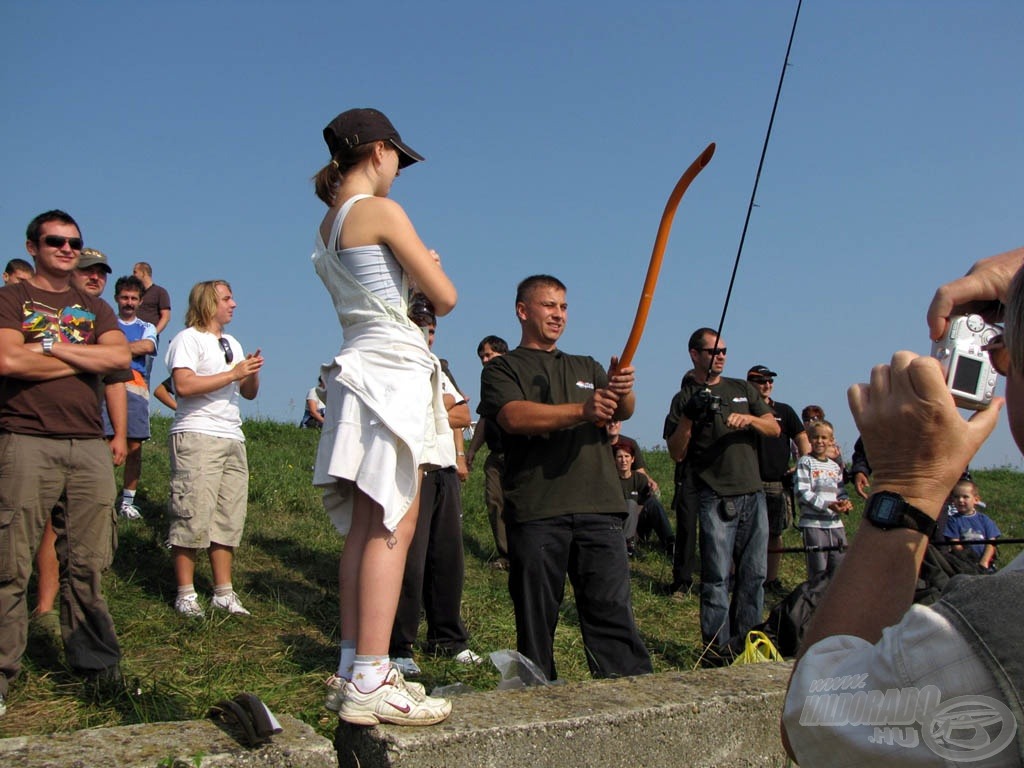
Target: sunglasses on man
[(56, 241), (229, 356)]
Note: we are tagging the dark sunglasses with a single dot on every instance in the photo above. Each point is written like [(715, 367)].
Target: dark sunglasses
[(228, 354), (56, 241), (760, 380), (998, 354), (715, 351)]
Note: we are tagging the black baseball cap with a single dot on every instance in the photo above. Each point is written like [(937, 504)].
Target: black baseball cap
[(356, 127), (763, 371)]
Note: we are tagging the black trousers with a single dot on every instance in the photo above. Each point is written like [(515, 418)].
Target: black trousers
[(434, 571), (686, 504), (592, 550)]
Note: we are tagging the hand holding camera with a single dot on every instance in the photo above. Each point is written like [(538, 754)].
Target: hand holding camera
[(702, 405), (971, 355)]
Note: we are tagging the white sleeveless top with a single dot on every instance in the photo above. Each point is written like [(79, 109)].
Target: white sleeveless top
[(385, 414)]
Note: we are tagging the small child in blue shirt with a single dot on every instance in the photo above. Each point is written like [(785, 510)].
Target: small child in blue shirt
[(971, 525)]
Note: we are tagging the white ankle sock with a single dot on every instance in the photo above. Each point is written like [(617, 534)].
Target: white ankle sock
[(347, 659), (368, 672)]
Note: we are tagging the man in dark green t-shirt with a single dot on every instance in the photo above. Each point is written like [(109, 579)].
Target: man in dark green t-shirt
[(563, 502), (713, 423)]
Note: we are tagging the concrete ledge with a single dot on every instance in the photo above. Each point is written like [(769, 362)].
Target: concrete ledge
[(168, 745), (722, 717)]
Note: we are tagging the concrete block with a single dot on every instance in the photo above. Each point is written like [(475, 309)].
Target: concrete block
[(189, 744), (722, 718)]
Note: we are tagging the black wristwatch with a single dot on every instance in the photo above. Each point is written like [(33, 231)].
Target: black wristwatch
[(888, 510)]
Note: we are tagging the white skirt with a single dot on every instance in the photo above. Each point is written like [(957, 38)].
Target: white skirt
[(382, 424)]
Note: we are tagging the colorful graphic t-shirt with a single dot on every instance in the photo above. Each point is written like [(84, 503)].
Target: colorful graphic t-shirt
[(67, 407)]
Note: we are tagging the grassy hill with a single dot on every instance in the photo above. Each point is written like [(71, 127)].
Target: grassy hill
[(286, 573)]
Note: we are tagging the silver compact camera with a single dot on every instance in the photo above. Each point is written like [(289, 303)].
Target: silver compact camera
[(968, 369)]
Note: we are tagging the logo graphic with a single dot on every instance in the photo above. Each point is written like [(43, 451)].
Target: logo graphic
[(74, 324), (961, 729)]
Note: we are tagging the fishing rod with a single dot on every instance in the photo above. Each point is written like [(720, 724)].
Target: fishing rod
[(757, 180)]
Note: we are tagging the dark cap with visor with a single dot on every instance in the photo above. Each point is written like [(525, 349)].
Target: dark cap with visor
[(356, 127)]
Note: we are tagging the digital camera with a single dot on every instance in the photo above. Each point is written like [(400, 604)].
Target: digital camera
[(968, 369), (702, 405)]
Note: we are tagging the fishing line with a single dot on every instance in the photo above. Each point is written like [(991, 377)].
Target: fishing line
[(757, 179)]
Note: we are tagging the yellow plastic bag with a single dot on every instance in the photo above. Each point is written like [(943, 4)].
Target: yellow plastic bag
[(758, 648)]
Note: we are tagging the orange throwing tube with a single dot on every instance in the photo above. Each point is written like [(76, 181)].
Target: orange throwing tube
[(658, 253)]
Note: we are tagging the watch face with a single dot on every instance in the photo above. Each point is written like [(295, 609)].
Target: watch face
[(886, 510)]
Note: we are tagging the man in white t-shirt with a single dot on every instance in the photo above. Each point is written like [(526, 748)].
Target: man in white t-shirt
[(435, 567), (209, 468)]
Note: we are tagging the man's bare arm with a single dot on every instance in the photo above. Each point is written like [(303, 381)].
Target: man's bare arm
[(116, 396), (27, 361), (679, 440), (109, 353), (165, 318), (142, 347)]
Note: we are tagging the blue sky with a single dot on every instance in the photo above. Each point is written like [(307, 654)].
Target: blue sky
[(185, 135)]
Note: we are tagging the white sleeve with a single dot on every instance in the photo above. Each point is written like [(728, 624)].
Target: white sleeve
[(846, 695)]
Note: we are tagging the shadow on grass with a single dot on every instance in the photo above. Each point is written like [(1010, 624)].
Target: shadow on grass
[(137, 703), (484, 552), (143, 560), (306, 584)]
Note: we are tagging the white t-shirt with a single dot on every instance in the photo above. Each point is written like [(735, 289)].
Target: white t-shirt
[(214, 413)]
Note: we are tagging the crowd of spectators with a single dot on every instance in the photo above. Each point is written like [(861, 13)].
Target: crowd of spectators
[(568, 496)]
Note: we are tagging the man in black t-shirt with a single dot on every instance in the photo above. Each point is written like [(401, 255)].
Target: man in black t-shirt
[(563, 500), (713, 423), (773, 455)]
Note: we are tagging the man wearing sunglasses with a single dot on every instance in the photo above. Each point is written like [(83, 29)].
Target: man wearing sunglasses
[(946, 680), (713, 424), (55, 345)]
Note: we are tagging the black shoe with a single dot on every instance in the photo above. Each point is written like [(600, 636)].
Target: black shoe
[(104, 684), (682, 590), (775, 588), (716, 656)]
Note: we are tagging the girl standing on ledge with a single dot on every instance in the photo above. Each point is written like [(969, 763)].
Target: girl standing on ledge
[(385, 421)]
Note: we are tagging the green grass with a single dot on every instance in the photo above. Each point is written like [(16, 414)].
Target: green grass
[(286, 573)]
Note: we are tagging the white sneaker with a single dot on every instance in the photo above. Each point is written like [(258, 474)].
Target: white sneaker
[(336, 691), (130, 511), (407, 666), (188, 605), (3, 707), (468, 657), (229, 603), (392, 702)]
